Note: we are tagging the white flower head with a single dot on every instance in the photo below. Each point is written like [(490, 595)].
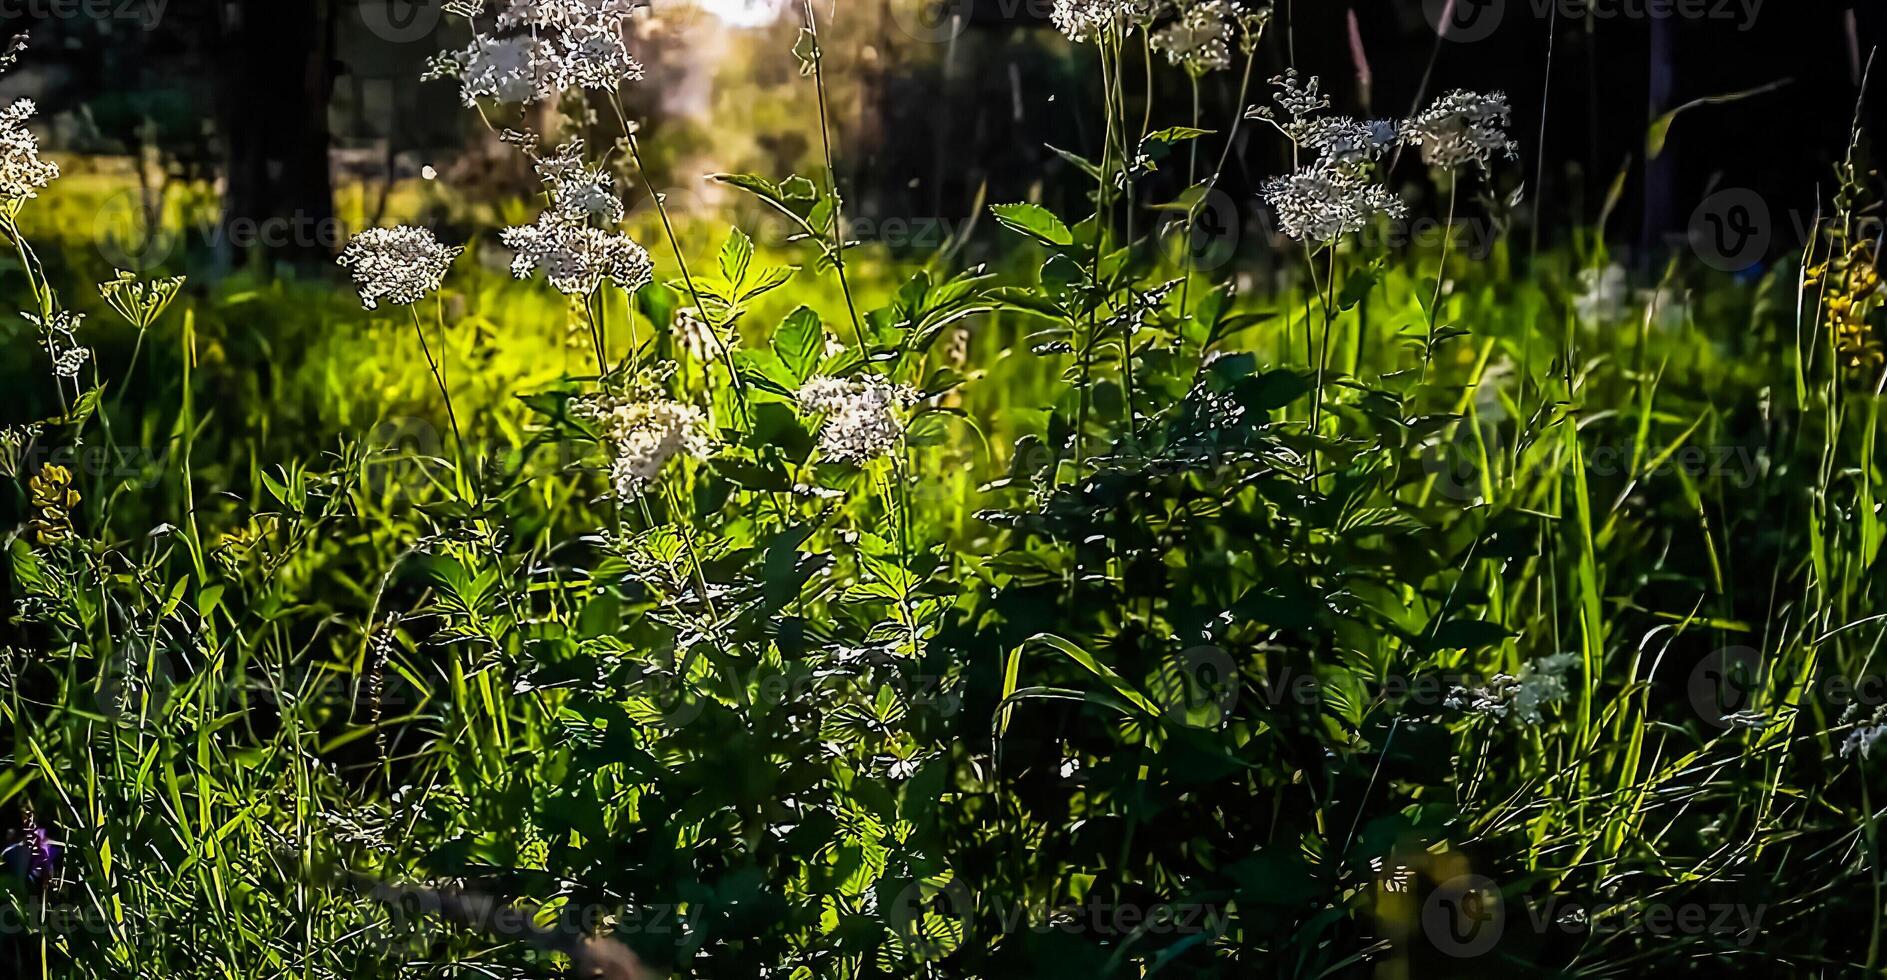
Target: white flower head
[(578, 190), (22, 173), (575, 257), (1200, 40), (1323, 202), (1867, 730), (1300, 102), (863, 417), (517, 69), (1524, 697), (594, 58), (644, 430), (1344, 141), (398, 265), (1087, 20), (59, 335), (567, 14), (1462, 127)]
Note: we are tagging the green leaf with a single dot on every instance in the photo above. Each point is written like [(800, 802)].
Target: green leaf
[(800, 342), (736, 257), (1035, 221)]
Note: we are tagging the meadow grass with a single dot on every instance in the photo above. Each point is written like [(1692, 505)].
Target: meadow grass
[(1421, 613)]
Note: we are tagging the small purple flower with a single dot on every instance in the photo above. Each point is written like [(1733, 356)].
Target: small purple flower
[(35, 859)]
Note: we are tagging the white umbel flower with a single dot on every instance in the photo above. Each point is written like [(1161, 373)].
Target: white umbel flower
[(567, 14), (863, 417), (578, 190), (1323, 202), (397, 265), (1343, 141), (577, 258), (59, 334), (1462, 127), (1087, 20), (518, 69), (22, 173), (644, 431), (1524, 697), (1200, 40), (593, 58)]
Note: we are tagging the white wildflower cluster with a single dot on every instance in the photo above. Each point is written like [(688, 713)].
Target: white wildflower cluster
[(59, 334), (541, 48), (1538, 685), (1322, 204), (1338, 193), (397, 265), (1866, 732), (1088, 20), (863, 416), (22, 173), (644, 430), (575, 257), (1200, 38), (1462, 127), (579, 190)]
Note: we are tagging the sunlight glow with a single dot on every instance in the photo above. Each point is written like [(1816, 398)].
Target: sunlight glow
[(742, 13)]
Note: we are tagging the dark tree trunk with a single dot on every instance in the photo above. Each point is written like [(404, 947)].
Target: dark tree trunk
[(277, 76), (1661, 172)]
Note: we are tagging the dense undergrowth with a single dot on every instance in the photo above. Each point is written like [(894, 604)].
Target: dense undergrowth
[(811, 612)]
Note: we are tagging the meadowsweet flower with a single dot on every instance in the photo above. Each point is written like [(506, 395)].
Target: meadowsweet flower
[(567, 14), (1200, 40), (1522, 697), (1343, 141), (594, 58), (1300, 102), (399, 265), (862, 416), (1086, 20), (1323, 202), (1862, 740), (577, 258), (59, 335), (579, 190), (517, 69), (1462, 127), (644, 430), (22, 173)]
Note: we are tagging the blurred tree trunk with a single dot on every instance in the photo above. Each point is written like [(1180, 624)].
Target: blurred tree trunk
[(1661, 172), (277, 76)]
